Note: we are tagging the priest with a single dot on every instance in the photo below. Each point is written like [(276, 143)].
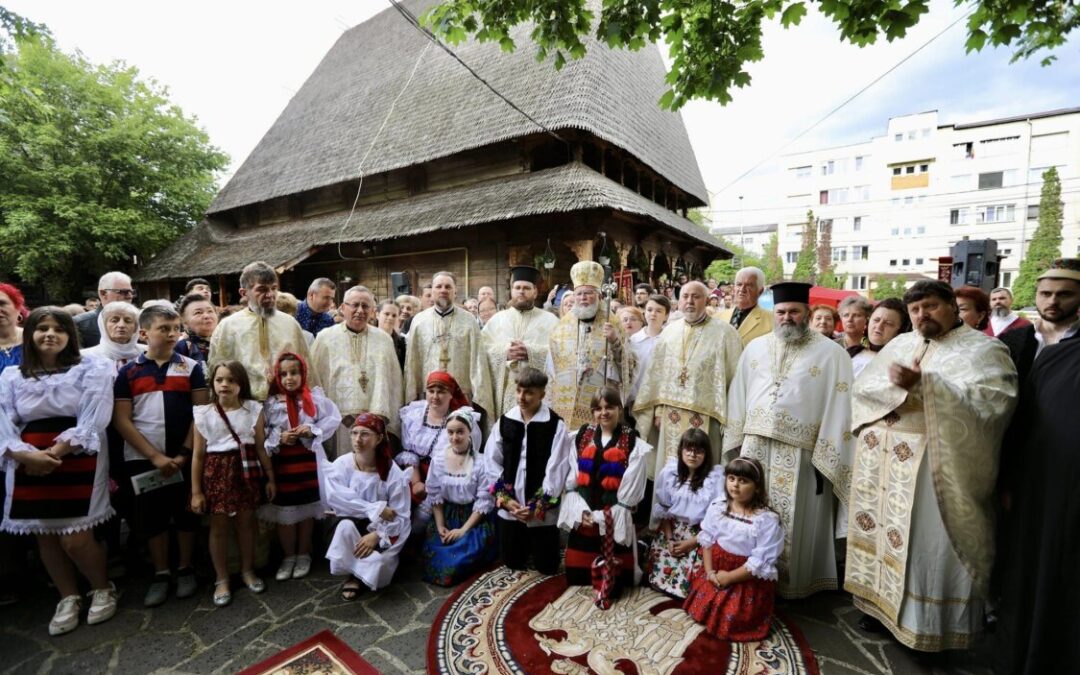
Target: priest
[(358, 366), (685, 386), (256, 335), (586, 351), (930, 412), (445, 337), (789, 408), (516, 337)]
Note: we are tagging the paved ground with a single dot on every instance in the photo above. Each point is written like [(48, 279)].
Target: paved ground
[(389, 629)]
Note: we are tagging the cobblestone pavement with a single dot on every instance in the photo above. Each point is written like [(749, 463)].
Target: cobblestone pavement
[(389, 629)]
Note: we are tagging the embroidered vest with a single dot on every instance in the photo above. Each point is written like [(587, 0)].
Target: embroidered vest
[(599, 477), (541, 435)]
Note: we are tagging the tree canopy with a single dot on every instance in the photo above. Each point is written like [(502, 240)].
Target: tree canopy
[(711, 42), (1045, 244), (99, 167)]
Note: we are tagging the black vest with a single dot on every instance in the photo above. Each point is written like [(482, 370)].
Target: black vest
[(541, 436)]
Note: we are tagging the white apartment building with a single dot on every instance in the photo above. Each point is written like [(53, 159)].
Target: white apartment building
[(900, 201)]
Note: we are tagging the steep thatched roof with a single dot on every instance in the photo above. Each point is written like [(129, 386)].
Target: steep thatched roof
[(328, 125), (215, 249)]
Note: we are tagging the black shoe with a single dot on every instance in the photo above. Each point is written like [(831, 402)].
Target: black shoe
[(870, 624)]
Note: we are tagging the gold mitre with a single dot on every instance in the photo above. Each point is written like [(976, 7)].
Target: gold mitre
[(587, 273)]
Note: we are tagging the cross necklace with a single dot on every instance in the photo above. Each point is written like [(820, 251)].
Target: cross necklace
[(360, 355), (442, 336), (691, 338)]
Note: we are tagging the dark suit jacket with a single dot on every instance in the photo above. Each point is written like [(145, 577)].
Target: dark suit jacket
[(89, 336)]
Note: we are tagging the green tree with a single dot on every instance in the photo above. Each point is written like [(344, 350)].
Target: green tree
[(1045, 244), (98, 167), (710, 43), (724, 270), (773, 264), (805, 264), (885, 288)]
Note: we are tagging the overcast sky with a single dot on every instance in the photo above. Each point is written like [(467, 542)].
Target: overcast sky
[(234, 66)]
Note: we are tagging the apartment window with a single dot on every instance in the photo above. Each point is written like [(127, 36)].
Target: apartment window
[(896, 171), (959, 216), (912, 135), (802, 171), (896, 201), (906, 262), (920, 199), (909, 169), (964, 150), (923, 168), (926, 133), (839, 254), (921, 229), (1006, 279), (856, 224), (1036, 175), (993, 147), (918, 261), (998, 213), (892, 263), (823, 197), (907, 231), (961, 182), (828, 168), (859, 162), (862, 193), (898, 137), (908, 201), (1033, 212), (837, 196), (792, 256), (991, 180), (860, 253), (858, 282), (895, 232)]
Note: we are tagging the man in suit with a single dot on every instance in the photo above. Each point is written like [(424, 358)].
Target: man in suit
[(1057, 300), (750, 320), (1002, 318)]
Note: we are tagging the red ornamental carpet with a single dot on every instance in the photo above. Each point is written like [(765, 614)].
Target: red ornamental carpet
[(525, 623), (320, 654)]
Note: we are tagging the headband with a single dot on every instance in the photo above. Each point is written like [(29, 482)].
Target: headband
[(752, 465)]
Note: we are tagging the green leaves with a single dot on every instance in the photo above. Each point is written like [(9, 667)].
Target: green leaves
[(1045, 244), (793, 14), (98, 166)]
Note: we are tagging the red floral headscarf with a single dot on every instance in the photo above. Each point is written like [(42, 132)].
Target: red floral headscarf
[(445, 379), (300, 399), (382, 450)]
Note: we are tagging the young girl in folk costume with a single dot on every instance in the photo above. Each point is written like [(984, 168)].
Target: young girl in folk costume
[(369, 496), (54, 407), (607, 474), (685, 487), (227, 470), (298, 420), (423, 432), (462, 537), (732, 593)]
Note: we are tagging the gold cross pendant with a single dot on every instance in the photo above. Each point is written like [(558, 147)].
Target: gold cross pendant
[(363, 381), (683, 377), (444, 361)]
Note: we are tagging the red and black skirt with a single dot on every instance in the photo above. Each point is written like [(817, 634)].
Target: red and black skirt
[(583, 547), (296, 474), (741, 612), (63, 493), (226, 489)]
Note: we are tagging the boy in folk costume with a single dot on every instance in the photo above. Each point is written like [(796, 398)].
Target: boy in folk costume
[(527, 460)]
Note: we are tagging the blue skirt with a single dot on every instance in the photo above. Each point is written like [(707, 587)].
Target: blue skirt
[(450, 564)]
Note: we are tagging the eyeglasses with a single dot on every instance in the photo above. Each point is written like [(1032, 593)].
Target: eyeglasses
[(693, 450), (361, 305), (124, 292)]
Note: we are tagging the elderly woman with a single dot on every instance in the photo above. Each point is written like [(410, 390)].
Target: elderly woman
[(410, 307), (566, 304), (890, 318), (823, 319), (974, 306), (200, 318), (119, 326), (11, 306), (854, 312)]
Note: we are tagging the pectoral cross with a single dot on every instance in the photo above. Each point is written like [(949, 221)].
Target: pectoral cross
[(683, 377), (444, 359), (363, 381)]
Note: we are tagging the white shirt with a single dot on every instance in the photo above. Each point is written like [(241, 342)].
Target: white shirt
[(217, 435), (1042, 340), (680, 502), (1000, 324), (760, 538)]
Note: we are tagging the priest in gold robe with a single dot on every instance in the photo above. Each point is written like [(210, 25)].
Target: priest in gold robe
[(446, 337), (256, 335), (685, 386), (358, 366), (587, 350), (516, 337), (789, 407), (930, 412)]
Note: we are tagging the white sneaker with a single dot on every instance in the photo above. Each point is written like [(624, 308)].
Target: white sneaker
[(303, 567), (102, 605), (66, 618), (286, 570)]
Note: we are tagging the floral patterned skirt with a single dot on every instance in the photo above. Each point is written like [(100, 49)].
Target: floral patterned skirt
[(226, 489), (450, 564), (741, 612), (667, 573)]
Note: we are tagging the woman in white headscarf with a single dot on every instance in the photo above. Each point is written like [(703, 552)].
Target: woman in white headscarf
[(119, 326)]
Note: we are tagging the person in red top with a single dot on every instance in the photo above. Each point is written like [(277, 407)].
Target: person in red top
[(1002, 319)]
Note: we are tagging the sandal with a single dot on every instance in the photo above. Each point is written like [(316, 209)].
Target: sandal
[(350, 590), (222, 599)]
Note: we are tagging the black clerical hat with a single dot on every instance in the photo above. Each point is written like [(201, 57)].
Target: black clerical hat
[(525, 273), (790, 291)]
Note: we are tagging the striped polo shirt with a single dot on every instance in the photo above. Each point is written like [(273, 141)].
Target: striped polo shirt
[(160, 400)]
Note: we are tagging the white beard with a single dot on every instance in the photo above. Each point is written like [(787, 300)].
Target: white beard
[(1000, 312), (585, 312), (258, 309), (791, 333)]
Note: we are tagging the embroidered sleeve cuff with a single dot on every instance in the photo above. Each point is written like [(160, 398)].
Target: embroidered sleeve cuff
[(87, 439), (273, 440), (407, 458), (758, 567), (571, 510), (704, 539)]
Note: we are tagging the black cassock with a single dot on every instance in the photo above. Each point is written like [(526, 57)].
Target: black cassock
[(1040, 557)]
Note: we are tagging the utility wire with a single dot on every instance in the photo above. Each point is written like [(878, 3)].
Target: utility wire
[(851, 98)]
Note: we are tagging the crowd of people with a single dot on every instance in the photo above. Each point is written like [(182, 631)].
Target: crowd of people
[(721, 453)]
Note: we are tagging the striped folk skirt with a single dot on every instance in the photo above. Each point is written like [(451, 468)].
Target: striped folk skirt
[(583, 547), (297, 477)]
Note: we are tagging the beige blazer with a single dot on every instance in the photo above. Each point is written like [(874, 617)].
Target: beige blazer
[(758, 323)]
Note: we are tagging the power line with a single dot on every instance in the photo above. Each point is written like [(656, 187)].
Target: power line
[(851, 98), (439, 43)]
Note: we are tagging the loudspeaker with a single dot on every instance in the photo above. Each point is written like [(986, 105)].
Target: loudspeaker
[(401, 284), (975, 263)]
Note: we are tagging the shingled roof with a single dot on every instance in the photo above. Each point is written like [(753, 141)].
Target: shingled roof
[(212, 249), (328, 125)]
